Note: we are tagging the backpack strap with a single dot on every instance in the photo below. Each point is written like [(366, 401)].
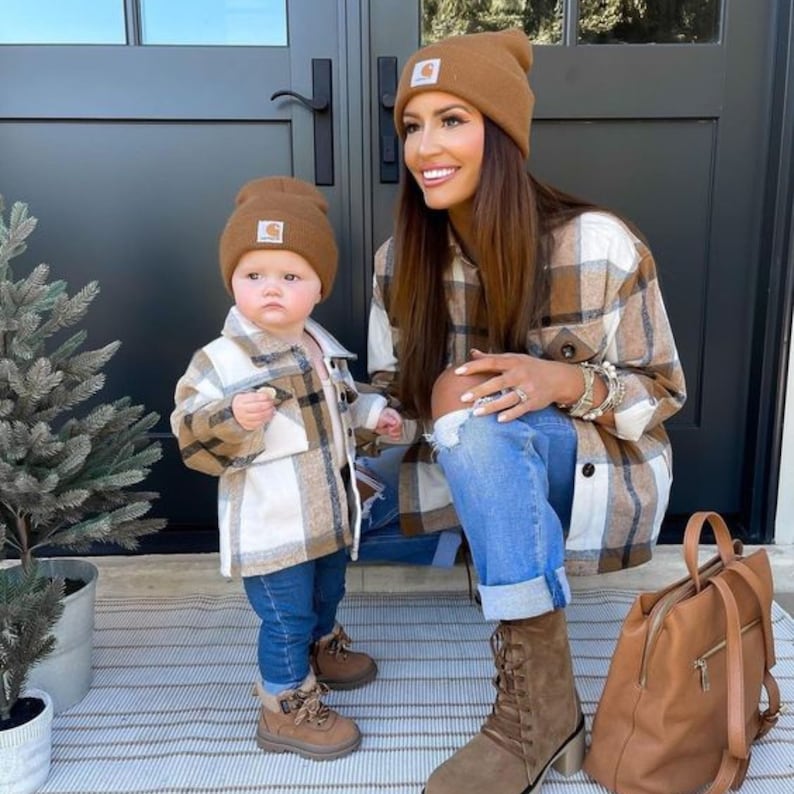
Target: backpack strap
[(736, 757)]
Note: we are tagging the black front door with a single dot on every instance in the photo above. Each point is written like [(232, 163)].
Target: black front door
[(129, 146)]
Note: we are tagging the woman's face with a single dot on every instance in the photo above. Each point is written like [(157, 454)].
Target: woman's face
[(444, 141)]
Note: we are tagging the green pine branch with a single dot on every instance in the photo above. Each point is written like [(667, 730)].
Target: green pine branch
[(67, 477), (29, 606)]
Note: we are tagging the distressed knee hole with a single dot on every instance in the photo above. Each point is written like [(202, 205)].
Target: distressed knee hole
[(446, 430)]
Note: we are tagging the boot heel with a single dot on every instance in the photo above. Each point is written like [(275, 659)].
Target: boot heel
[(571, 757)]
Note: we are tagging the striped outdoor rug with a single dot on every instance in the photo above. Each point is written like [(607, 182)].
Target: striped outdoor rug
[(170, 710)]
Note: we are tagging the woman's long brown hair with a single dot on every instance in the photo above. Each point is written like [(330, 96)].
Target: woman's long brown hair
[(513, 216)]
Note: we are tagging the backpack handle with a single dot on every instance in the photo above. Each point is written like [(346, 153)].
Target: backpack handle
[(692, 533)]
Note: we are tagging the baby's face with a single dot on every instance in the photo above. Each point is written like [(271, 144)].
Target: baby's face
[(276, 291)]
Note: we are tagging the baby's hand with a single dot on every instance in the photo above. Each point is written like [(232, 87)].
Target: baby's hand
[(254, 409), (390, 424)]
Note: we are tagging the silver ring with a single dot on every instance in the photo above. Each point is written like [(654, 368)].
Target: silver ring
[(521, 394)]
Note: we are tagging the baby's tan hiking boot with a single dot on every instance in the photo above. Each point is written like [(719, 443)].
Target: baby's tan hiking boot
[(336, 666), (297, 721)]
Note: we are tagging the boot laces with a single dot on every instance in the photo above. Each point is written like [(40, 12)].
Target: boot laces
[(504, 724), (310, 707), (339, 644)]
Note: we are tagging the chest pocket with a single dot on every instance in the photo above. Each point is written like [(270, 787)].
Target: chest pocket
[(572, 343), (288, 434), (285, 436)]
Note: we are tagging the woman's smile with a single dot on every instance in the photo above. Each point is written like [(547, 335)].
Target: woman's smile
[(436, 176)]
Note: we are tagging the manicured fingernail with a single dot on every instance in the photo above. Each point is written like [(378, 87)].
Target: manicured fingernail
[(466, 398), (460, 371), (501, 418), (478, 411)]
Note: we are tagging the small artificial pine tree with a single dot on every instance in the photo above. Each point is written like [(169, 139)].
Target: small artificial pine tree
[(64, 479), (29, 606)]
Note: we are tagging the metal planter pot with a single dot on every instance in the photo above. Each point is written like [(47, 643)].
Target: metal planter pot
[(66, 674)]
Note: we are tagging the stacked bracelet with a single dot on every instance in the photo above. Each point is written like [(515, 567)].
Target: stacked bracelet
[(585, 403), (616, 390)]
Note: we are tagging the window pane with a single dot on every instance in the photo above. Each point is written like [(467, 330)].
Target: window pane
[(220, 22), (648, 21), (62, 22), (541, 19)]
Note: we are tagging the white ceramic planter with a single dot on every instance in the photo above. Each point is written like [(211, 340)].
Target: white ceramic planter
[(67, 672), (25, 751)]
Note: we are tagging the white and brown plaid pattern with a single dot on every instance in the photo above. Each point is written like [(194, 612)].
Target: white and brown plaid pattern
[(282, 494), (605, 304)]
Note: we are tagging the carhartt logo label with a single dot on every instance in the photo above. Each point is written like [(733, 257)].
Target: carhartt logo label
[(426, 72), (270, 232)]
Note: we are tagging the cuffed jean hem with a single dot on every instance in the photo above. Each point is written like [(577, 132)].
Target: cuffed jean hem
[(525, 599), (275, 688)]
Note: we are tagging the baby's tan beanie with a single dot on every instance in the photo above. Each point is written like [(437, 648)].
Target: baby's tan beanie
[(280, 212), (487, 69)]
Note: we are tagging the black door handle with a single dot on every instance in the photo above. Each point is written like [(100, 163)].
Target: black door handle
[(315, 103), (387, 91), (321, 106)]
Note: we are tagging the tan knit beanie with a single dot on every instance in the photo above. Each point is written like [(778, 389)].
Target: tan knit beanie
[(487, 69), (280, 213)]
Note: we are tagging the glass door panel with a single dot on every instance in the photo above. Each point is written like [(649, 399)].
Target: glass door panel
[(542, 20), (595, 21), (62, 22), (620, 22), (260, 23)]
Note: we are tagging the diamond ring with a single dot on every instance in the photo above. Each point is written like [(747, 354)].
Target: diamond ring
[(521, 394)]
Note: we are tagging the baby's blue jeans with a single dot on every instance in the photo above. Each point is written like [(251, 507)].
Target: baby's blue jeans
[(296, 606)]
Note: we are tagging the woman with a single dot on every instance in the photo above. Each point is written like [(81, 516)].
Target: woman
[(525, 331)]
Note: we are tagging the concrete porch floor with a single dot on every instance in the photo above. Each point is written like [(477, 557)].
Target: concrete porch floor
[(183, 574)]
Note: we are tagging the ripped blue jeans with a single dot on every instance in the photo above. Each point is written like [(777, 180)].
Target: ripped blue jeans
[(512, 487)]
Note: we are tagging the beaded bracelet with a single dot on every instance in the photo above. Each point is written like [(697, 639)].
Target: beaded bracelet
[(616, 390)]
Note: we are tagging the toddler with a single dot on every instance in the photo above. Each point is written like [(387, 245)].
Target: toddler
[(270, 408)]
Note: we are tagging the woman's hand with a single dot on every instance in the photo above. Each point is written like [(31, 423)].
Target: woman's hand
[(519, 383)]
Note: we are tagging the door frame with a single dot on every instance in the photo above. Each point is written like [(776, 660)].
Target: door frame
[(774, 295)]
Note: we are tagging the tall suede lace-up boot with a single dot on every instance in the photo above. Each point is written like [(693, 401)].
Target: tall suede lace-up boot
[(336, 666), (536, 722), (297, 721)]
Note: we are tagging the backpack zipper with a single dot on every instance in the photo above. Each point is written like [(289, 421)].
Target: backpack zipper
[(662, 607), (701, 663)]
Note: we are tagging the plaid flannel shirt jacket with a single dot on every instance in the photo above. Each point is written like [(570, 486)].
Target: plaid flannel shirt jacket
[(605, 305), (282, 494)]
